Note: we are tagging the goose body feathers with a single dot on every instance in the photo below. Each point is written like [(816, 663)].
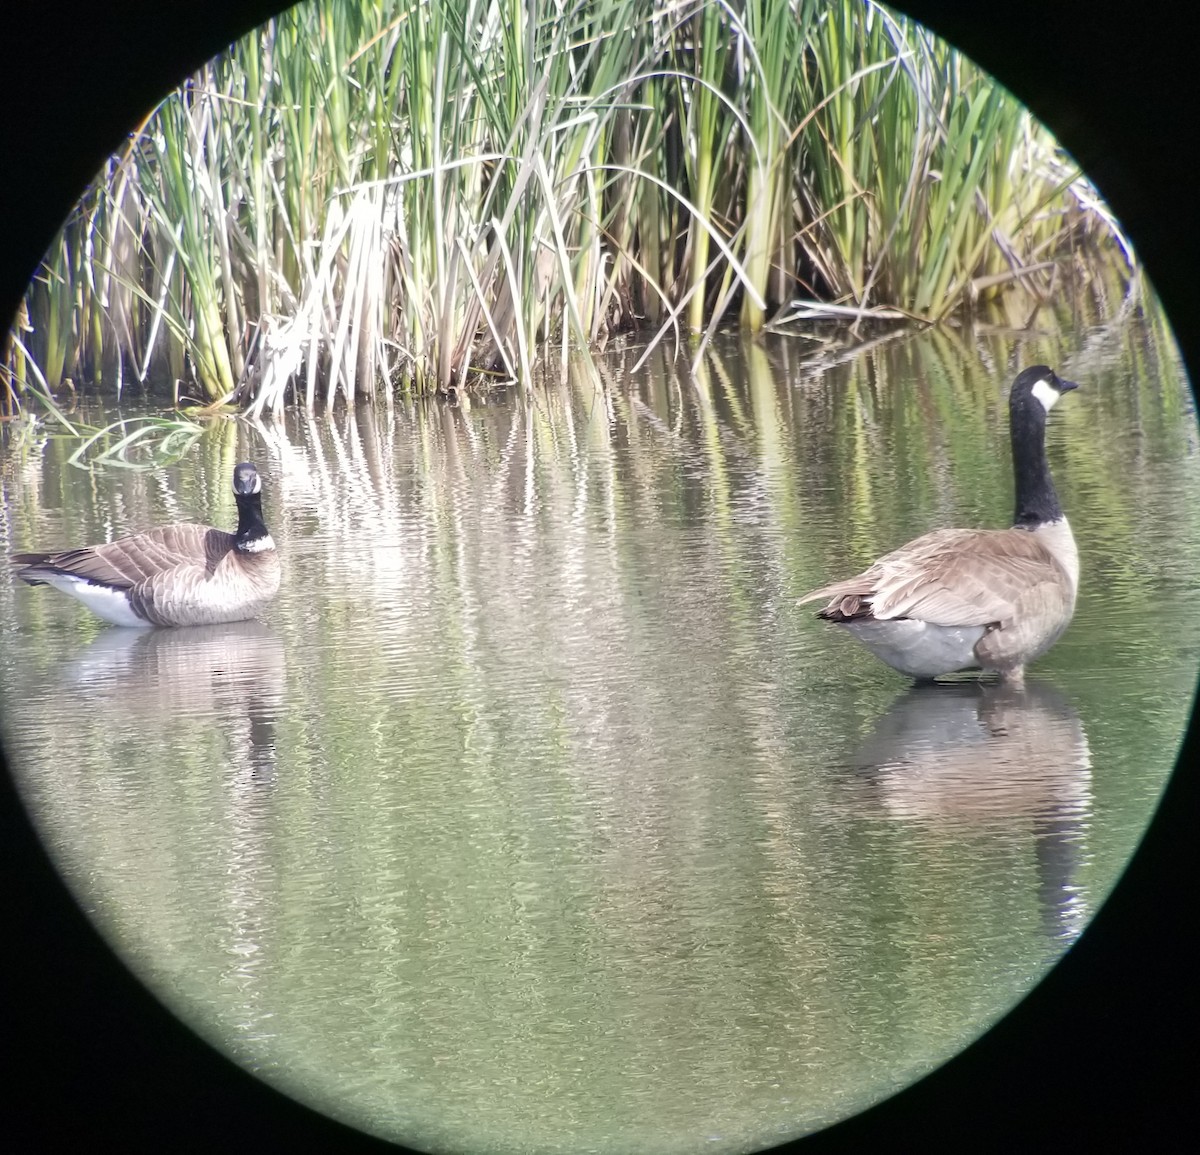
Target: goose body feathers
[(956, 599), (177, 575)]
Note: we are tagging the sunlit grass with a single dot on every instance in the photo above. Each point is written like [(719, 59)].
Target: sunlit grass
[(366, 195)]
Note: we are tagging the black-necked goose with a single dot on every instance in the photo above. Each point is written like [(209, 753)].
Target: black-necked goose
[(180, 575), (957, 599)]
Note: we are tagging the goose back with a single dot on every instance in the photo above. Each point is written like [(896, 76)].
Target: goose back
[(961, 577)]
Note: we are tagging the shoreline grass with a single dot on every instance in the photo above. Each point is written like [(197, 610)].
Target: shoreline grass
[(419, 196)]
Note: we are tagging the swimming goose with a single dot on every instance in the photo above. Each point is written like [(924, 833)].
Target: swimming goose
[(179, 575), (957, 599)]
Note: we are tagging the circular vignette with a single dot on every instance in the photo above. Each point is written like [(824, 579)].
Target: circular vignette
[(1096, 1048)]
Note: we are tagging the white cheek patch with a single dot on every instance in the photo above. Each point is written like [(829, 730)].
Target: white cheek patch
[(1046, 394)]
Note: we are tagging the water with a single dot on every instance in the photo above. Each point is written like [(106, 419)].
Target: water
[(535, 817)]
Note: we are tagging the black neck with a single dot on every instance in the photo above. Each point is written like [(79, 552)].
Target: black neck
[(1037, 503), (251, 526)]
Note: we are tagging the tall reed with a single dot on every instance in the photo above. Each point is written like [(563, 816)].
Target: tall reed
[(368, 193)]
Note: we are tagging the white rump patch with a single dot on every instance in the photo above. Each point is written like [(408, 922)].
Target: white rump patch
[(1046, 394), (258, 544), (105, 602)]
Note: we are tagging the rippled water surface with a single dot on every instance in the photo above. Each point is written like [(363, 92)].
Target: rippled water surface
[(534, 816)]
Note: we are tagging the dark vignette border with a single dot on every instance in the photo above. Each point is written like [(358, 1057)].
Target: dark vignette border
[(1099, 1056)]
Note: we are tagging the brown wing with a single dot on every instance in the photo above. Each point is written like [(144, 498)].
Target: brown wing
[(1042, 612), (950, 577), (131, 560)]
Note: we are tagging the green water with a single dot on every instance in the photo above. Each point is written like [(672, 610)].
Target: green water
[(534, 816)]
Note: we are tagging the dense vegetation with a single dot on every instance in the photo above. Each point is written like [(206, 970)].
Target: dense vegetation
[(368, 193)]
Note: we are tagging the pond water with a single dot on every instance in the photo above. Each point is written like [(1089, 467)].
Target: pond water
[(534, 816)]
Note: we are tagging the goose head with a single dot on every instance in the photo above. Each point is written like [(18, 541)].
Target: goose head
[(1040, 384), (246, 480)]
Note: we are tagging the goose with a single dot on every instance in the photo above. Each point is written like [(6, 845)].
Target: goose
[(177, 575), (987, 599)]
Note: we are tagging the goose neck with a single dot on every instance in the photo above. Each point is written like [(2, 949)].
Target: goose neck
[(252, 530), (1036, 500)]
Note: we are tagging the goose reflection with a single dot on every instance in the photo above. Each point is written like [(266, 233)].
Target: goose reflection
[(978, 755), (231, 675)]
